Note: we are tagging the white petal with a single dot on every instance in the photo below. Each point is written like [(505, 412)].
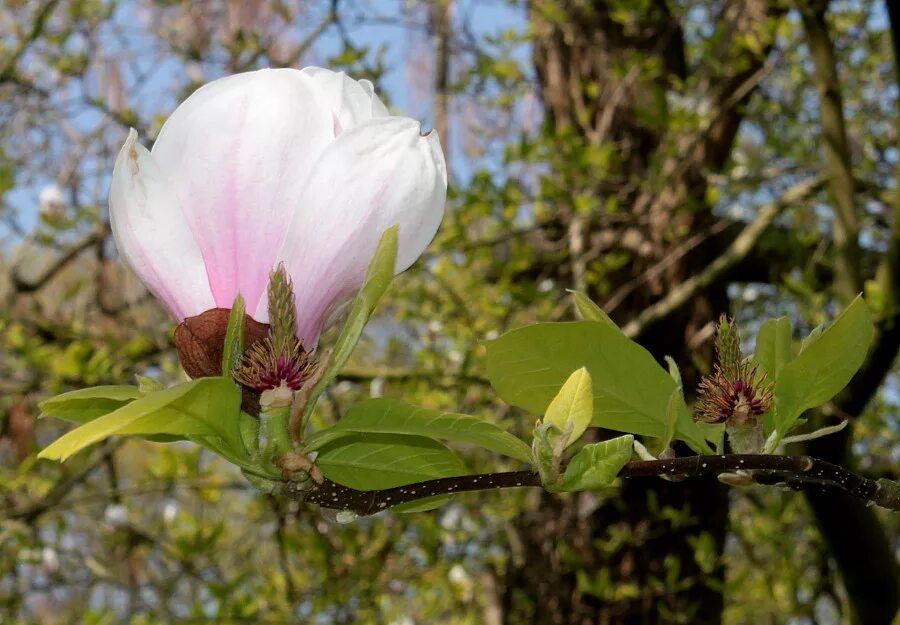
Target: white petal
[(378, 107), (373, 176), (152, 235), (237, 153), (352, 102)]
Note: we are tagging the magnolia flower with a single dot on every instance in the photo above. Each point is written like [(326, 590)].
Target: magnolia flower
[(304, 168)]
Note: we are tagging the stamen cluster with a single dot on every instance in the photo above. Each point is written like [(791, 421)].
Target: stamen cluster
[(736, 392), (266, 367), (280, 358), (735, 398)]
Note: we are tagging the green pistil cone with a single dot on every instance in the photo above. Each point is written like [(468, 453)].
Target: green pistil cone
[(728, 348), (282, 315)]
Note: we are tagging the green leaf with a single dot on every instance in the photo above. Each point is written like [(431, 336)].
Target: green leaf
[(233, 348), (546, 452), (203, 407), (597, 465), (812, 337), (422, 505), (589, 310), (631, 391), (87, 404), (390, 416), (248, 425), (675, 374), (147, 385), (572, 408), (378, 278), (773, 346), (672, 409), (824, 367), (378, 461)]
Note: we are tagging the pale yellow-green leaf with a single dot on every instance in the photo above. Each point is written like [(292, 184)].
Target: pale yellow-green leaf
[(573, 407)]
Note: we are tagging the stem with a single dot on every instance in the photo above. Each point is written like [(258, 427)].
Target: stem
[(274, 424), (795, 472)]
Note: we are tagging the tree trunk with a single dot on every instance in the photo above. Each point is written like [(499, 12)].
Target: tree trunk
[(650, 552)]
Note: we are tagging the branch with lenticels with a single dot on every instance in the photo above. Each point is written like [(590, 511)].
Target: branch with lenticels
[(794, 472)]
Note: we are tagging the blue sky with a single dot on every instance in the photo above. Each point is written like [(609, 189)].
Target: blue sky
[(382, 26)]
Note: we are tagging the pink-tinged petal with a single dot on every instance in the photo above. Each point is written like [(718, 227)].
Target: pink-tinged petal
[(152, 235), (380, 173), (352, 102), (237, 153)]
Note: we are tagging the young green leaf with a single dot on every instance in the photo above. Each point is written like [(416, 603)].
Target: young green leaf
[(87, 404), (675, 373), (147, 385), (378, 278), (378, 461), (597, 465), (422, 505), (572, 409), (248, 426), (589, 310), (631, 390), (390, 416), (672, 416), (547, 446), (812, 337), (773, 346), (202, 407), (233, 348), (824, 366)]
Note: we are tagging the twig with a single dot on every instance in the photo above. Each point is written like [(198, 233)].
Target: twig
[(734, 254), (794, 472), (30, 286)]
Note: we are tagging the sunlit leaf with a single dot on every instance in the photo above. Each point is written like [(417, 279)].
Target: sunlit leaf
[(572, 408), (203, 407), (589, 310), (825, 365), (773, 346), (390, 416), (631, 390), (597, 465), (87, 404), (378, 461)]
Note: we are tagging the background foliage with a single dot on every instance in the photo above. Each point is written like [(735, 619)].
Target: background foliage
[(674, 160)]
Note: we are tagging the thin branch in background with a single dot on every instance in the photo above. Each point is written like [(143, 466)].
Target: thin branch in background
[(733, 254), (68, 256)]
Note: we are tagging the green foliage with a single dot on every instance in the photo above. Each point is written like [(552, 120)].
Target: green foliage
[(87, 404), (233, 349), (377, 461), (571, 410), (589, 310), (597, 465), (207, 407), (378, 278), (773, 346), (389, 416), (631, 391), (546, 452), (824, 366)]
